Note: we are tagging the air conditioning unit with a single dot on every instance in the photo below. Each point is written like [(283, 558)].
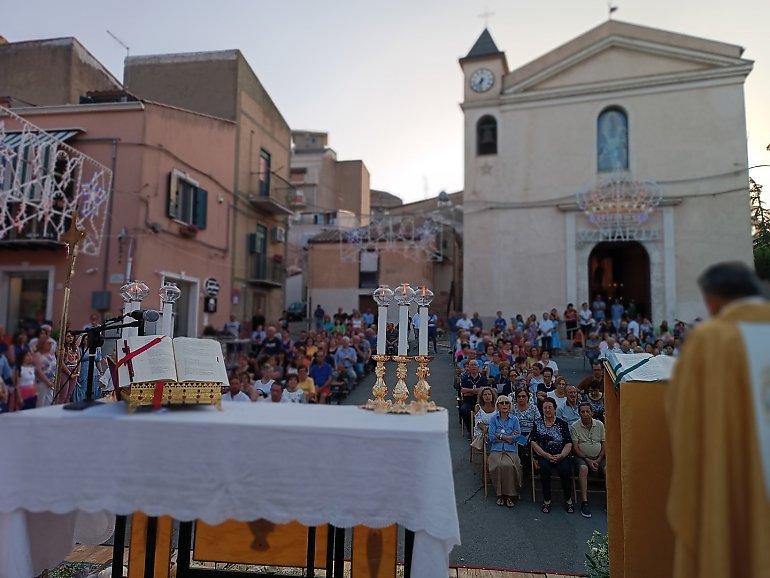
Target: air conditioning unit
[(279, 234)]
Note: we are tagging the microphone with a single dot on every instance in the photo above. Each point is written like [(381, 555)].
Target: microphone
[(144, 315)]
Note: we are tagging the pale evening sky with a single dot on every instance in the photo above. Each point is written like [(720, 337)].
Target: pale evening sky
[(382, 78)]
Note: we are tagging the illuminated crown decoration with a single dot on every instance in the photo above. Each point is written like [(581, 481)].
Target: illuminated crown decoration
[(418, 239), (618, 201)]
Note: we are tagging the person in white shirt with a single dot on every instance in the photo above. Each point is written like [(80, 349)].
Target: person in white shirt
[(545, 359), (633, 328), (545, 327), (276, 394), (235, 393), (464, 323), (292, 393), (264, 383), (586, 318)]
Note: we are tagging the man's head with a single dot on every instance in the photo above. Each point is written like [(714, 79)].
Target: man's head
[(276, 391), (571, 391), (235, 385), (726, 282), (586, 413), (473, 366), (597, 370)]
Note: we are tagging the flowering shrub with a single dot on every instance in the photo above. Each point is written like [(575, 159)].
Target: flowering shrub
[(598, 557)]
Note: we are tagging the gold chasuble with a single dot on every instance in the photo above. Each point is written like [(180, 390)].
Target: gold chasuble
[(718, 507)]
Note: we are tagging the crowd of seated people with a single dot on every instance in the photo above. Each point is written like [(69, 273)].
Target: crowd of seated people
[(508, 383), (319, 365)]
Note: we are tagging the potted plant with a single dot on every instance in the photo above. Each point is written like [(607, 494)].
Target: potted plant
[(188, 230), (277, 258)]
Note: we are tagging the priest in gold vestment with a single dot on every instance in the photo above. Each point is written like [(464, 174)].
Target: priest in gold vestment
[(719, 503)]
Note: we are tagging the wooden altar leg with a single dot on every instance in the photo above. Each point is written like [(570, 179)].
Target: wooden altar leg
[(374, 552), (150, 552), (408, 551), (339, 552), (118, 545), (184, 546)]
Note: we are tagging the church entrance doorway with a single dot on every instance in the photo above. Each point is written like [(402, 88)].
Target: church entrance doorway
[(620, 270)]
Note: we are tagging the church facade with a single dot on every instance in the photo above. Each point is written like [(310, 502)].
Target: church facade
[(615, 165)]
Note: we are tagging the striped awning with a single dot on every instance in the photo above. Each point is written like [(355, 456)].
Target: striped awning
[(12, 139)]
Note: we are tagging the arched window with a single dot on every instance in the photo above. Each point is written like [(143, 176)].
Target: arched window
[(486, 136), (612, 140)]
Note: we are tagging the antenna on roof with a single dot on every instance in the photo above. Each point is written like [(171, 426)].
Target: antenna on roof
[(119, 41), (610, 9)]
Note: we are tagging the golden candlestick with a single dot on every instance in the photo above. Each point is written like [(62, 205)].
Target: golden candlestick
[(400, 391), (422, 388), (380, 389)]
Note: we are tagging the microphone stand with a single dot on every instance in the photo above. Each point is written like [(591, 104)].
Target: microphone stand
[(95, 341)]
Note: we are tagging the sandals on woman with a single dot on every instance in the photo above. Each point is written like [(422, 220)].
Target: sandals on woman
[(501, 501), (509, 502), (570, 507), (546, 509)]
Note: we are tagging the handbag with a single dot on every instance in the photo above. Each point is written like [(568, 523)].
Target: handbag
[(478, 442)]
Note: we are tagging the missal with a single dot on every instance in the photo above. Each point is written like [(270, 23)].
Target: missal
[(160, 358), (641, 366)]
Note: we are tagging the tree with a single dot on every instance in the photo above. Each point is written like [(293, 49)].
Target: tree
[(760, 229)]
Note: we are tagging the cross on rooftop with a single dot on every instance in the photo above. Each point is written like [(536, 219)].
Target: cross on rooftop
[(485, 15)]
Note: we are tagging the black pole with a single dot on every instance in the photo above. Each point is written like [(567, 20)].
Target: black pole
[(95, 341)]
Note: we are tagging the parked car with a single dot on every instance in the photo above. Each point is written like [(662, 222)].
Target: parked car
[(297, 311)]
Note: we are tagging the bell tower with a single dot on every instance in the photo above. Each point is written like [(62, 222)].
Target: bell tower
[(483, 68)]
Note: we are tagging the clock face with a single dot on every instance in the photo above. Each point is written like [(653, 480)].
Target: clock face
[(482, 80)]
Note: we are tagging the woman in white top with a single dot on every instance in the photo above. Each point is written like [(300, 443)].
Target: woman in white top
[(485, 409), (560, 393), (24, 393), (293, 393)]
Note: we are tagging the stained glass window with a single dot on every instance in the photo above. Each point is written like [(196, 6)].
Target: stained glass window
[(612, 141)]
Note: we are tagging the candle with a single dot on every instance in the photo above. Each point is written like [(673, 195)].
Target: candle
[(423, 340), (131, 306), (382, 319), (167, 323), (403, 327), (423, 299), (382, 296)]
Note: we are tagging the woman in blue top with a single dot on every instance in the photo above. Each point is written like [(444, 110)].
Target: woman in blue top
[(504, 434)]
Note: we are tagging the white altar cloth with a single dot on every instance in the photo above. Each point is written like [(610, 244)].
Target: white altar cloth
[(282, 462)]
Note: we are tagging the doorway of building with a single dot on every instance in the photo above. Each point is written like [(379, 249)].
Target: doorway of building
[(27, 300), (620, 270)]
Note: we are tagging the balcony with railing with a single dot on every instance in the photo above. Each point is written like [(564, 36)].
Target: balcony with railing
[(266, 272), (272, 198)]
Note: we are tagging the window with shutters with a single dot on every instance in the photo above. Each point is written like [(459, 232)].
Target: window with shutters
[(369, 270), (187, 202), (264, 173)]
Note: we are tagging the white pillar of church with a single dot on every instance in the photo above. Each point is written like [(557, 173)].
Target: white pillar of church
[(570, 235), (669, 263)]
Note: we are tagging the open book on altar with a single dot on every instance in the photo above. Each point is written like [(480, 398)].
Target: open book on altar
[(160, 358), (641, 366)]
